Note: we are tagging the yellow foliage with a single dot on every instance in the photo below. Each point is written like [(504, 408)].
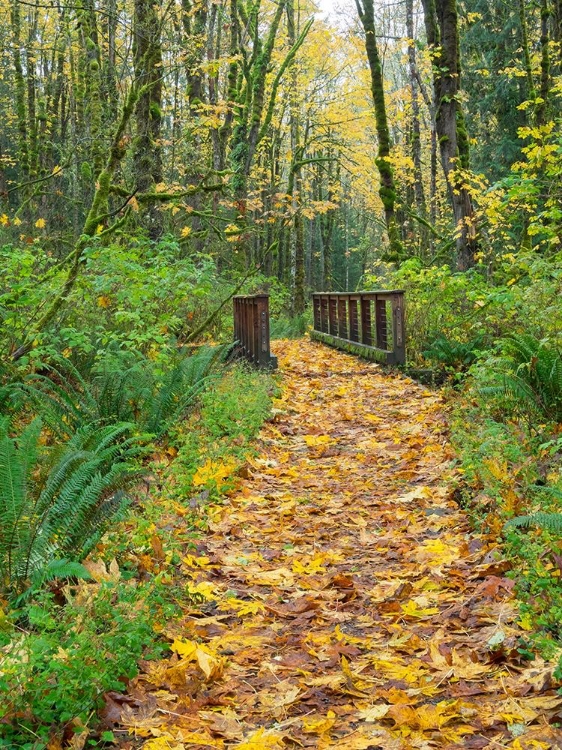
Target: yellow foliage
[(213, 471)]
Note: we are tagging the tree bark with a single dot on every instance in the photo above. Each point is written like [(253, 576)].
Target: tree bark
[(147, 53), (441, 24), (387, 190), (295, 181), (542, 107), (416, 129)]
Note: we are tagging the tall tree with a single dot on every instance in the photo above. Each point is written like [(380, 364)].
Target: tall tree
[(416, 126), (442, 29), (387, 189), (147, 54)]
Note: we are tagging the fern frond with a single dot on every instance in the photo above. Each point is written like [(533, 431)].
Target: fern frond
[(78, 497), (551, 522), (54, 570)]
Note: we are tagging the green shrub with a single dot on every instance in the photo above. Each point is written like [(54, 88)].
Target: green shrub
[(454, 356), (57, 661), (287, 327), (136, 293), (123, 387), (231, 413), (530, 377), (56, 504), (237, 405)]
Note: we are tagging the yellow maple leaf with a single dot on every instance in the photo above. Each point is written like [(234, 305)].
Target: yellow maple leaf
[(314, 440), (17, 221), (4, 220), (40, 223), (204, 589), (197, 562), (311, 566), (103, 301), (498, 469), (241, 607), (263, 739), (164, 742), (412, 609), (196, 739), (208, 661), (185, 232), (374, 713), (424, 717), (277, 577), (526, 622), (318, 724)]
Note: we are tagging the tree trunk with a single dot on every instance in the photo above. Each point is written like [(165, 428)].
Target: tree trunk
[(295, 180), (542, 107), (20, 94), (416, 129), (147, 52), (387, 190), (441, 24)]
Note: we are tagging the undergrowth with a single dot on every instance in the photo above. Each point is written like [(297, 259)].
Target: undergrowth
[(71, 642), (506, 429)]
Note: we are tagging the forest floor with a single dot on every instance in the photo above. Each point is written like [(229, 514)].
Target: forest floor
[(343, 600)]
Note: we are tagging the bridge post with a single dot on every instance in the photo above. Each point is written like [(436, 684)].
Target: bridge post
[(251, 330)]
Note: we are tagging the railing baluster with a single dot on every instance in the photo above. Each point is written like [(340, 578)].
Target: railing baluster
[(366, 323), (342, 318), (353, 321), (333, 302), (325, 315), (380, 323)]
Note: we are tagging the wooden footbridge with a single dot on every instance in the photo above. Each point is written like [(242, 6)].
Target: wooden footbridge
[(370, 324)]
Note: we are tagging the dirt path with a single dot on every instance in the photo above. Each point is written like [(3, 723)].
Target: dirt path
[(346, 603)]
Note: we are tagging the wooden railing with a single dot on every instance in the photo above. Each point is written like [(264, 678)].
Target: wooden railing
[(368, 323), (251, 330)]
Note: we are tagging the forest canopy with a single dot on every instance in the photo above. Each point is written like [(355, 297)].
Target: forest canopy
[(266, 139)]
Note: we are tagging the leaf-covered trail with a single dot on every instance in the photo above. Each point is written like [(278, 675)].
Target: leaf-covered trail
[(346, 603)]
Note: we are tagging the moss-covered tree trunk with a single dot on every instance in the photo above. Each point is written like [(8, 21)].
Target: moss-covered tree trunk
[(542, 106), (415, 121), (147, 53), (387, 190), (194, 18), (91, 87), (327, 223), (531, 93), (31, 82), (441, 22), (20, 93), (557, 29), (295, 177), (110, 72)]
